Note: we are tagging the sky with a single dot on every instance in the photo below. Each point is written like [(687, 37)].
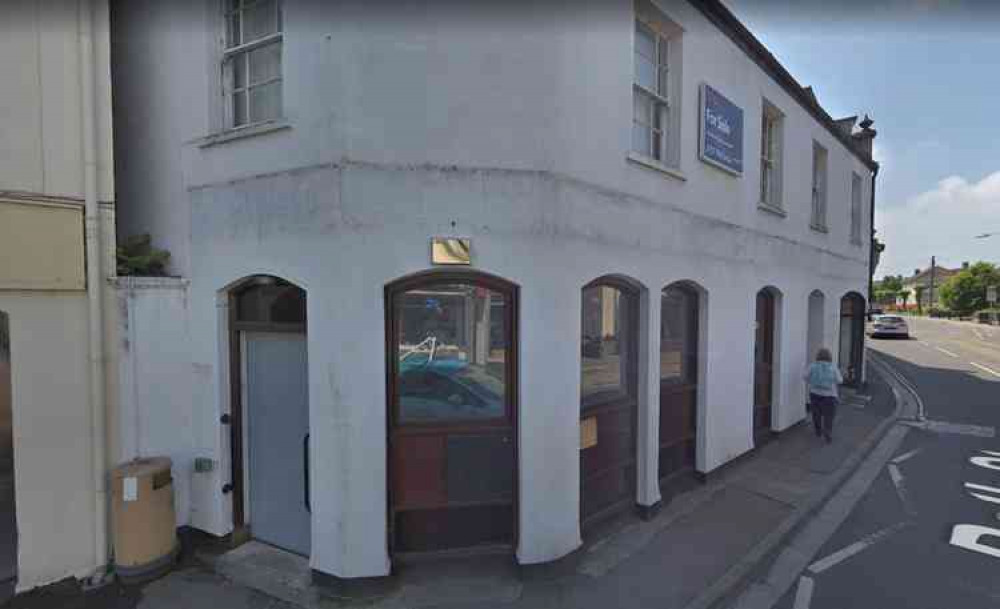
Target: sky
[(928, 74)]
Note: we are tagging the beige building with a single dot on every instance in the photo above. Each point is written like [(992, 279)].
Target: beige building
[(56, 304), (920, 283)]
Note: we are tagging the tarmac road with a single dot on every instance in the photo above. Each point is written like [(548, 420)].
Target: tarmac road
[(900, 547)]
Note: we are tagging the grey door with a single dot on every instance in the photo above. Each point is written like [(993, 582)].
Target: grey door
[(8, 522), (277, 419)]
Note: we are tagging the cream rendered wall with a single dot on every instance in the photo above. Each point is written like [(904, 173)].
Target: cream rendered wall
[(41, 164), (52, 448), (511, 128)]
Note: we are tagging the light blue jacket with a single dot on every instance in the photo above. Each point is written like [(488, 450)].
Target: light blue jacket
[(823, 378)]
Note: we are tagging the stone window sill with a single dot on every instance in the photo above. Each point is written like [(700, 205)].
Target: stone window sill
[(639, 159), (230, 135), (771, 209)]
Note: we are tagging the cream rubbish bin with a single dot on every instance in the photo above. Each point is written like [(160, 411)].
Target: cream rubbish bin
[(142, 518)]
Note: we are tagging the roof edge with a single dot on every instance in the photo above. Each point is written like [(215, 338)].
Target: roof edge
[(731, 26)]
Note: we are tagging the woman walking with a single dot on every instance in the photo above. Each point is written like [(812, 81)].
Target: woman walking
[(822, 378)]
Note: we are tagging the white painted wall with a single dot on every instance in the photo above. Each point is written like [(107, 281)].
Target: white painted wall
[(509, 129)]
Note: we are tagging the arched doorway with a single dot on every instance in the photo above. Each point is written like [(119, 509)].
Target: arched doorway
[(452, 409), (815, 333), (270, 412), (680, 311), (608, 399), (852, 337), (765, 367), (8, 518)]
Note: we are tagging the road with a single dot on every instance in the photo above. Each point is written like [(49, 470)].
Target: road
[(898, 547)]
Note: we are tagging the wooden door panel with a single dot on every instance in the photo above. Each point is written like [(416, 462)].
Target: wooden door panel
[(418, 472)]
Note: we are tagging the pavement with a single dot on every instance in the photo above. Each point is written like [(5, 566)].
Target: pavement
[(701, 551), (905, 542)]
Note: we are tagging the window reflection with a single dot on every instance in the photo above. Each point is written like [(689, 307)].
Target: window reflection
[(678, 334), (452, 348), (605, 352), (271, 300)]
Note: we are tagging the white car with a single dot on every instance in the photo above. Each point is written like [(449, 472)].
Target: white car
[(890, 325)]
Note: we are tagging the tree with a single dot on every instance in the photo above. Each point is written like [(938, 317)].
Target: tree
[(892, 284), (965, 292), (919, 296), (905, 295)]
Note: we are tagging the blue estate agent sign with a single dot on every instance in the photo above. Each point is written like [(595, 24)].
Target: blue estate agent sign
[(721, 131)]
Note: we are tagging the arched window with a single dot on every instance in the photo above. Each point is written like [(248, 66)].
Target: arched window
[(679, 327), (608, 398), (852, 337), (765, 361), (451, 359), (270, 300)]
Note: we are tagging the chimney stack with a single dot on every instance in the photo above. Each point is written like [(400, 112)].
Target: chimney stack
[(865, 137)]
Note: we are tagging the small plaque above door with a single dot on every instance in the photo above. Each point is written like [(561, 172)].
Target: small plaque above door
[(588, 433), (449, 250)]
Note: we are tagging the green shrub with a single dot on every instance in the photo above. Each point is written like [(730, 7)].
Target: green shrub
[(137, 256)]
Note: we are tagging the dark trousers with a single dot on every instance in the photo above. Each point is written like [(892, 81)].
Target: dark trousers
[(824, 409)]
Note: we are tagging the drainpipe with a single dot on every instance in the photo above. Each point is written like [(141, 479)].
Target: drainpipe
[(871, 271), (871, 241), (92, 228)]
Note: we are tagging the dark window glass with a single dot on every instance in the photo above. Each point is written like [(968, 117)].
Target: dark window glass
[(605, 350), (452, 348), (678, 335), (271, 301)]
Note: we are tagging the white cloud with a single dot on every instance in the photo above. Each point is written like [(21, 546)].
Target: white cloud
[(942, 222)]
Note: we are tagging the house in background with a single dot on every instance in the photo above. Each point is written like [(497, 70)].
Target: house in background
[(919, 286), (469, 276), (57, 236)]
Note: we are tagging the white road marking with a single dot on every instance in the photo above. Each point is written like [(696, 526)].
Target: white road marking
[(980, 431), (946, 352), (904, 495), (991, 462), (983, 487), (844, 553), (982, 367), (967, 536), (905, 456), (924, 343), (804, 593)]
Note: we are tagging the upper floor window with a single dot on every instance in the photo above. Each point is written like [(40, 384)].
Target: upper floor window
[(855, 208), (818, 220), (770, 156), (654, 55), (251, 64)]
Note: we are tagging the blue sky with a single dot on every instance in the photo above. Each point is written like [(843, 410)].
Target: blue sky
[(930, 80)]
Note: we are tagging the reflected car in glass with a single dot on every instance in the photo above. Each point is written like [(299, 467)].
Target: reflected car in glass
[(448, 390)]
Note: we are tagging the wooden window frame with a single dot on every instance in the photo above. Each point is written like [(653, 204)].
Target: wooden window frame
[(630, 400), (819, 187), (856, 188), (241, 52), (511, 382), (771, 157)]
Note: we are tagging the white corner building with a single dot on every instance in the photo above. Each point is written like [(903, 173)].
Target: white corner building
[(465, 275)]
